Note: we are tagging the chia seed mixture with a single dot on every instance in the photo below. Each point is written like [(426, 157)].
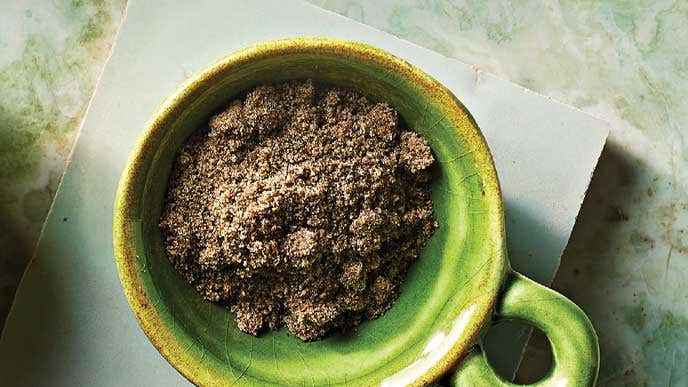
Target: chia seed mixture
[(300, 205)]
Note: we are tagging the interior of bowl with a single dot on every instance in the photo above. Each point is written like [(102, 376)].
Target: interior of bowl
[(449, 292)]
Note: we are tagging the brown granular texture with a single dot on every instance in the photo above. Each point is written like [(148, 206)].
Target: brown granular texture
[(300, 205)]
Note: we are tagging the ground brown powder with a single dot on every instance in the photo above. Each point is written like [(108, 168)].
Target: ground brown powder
[(300, 205)]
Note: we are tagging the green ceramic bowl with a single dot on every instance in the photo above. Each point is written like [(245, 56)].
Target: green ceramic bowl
[(461, 283)]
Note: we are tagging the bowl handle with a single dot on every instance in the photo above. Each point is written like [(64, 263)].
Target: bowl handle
[(575, 350)]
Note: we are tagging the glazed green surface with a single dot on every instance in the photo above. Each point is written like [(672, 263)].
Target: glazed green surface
[(571, 335), (447, 297)]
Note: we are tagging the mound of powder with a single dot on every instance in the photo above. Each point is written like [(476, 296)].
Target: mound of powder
[(300, 205)]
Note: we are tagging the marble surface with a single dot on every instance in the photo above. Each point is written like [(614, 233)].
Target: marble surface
[(51, 55), (624, 61)]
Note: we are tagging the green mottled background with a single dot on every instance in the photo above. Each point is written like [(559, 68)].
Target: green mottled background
[(51, 54), (625, 61)]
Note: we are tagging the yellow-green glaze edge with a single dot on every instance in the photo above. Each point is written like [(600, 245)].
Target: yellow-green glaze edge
[(160, 331)]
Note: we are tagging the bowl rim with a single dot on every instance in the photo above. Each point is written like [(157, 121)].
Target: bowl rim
[(133, 174)]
